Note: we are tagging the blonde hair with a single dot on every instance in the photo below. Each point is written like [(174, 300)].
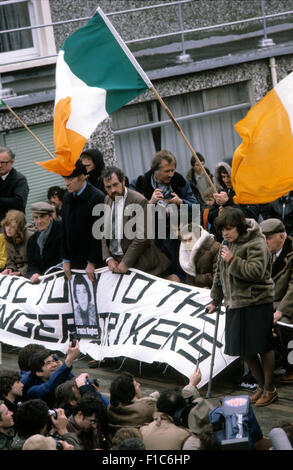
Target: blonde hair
[(39, 442), (19, 218)]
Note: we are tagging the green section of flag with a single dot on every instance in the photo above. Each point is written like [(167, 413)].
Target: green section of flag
[(2, 103), (94, 56)]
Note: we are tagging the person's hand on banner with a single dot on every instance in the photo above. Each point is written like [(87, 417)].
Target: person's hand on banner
[(35, 278), (195, 378), (112, 265), (122, 268), (67, 269), (90, 271)]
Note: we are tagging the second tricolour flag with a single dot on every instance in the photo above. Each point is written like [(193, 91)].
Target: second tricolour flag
[(262, 167), (96, 74)]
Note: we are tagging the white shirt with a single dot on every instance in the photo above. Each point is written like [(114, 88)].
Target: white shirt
[(119, 204)]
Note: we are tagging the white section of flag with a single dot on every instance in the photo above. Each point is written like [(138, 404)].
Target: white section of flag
[(284, 90), (88, 104)]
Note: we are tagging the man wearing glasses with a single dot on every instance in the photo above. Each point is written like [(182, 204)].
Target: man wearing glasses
[(13, 185)]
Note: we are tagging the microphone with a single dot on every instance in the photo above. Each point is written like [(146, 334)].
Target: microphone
[(225, 243)]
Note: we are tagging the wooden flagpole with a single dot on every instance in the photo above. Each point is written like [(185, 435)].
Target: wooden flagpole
[(184, 137), (28, 129)]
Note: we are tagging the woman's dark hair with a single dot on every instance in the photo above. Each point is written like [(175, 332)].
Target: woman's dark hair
[(80, 280), (122, 389), (231, 217), (7, 379), (193, 159), (97, 158)]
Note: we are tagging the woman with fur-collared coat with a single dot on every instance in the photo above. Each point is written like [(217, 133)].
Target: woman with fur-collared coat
[(243, 280), (198, 255)]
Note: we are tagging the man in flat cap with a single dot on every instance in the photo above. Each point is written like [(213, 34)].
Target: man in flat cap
[(80, 250), (44, 246), (281, 247)]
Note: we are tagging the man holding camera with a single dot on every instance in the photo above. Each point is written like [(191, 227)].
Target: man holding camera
[(34, 417), (167, 190), (281, 247), (47, 372)]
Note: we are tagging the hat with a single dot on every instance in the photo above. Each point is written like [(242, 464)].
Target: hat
[(271, 226), (42, 208), (39, 442)]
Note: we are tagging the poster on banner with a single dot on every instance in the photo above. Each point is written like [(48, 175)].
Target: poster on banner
[(134, 315)]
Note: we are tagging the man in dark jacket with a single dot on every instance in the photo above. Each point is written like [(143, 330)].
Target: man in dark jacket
[(281, 247), (46, 374), (281, 209), (44, 246), (80, 249), (13, 185), (6, 427)]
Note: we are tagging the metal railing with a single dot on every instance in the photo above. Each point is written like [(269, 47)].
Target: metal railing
[(181, 32)]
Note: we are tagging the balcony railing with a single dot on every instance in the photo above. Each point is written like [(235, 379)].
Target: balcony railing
[(181, 32)]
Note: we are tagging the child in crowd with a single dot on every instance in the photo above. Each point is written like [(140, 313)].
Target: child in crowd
[(209, 201)]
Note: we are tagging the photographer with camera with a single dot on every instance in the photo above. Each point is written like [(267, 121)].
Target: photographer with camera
[(167, 189), (46, 374), (90, 423), (34, 417)]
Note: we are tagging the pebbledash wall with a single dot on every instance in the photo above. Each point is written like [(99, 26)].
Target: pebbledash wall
[(171, 80)]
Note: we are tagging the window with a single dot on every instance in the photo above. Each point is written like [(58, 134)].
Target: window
[(207, 119), (24, 44)]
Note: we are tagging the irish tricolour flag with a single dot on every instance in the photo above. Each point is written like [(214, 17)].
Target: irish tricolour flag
[(96, 74), (262, 166)]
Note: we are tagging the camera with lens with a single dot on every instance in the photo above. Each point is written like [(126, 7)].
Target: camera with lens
[(58, 438), (53, 413), (168, 195), (92, 381)]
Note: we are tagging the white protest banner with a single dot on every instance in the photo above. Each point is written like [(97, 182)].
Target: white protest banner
[(135, 315)]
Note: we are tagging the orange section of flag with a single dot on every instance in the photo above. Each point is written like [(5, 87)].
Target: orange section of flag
[(68, 143), (262, 167)]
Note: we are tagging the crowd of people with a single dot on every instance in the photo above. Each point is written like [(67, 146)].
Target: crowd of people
[(242, 253), (44, 406)]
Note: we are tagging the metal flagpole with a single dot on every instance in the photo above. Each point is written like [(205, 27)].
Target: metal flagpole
[(27, 128), (184, 138), (208, 394)]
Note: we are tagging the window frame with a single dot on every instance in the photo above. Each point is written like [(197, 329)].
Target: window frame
[(43, 40)]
